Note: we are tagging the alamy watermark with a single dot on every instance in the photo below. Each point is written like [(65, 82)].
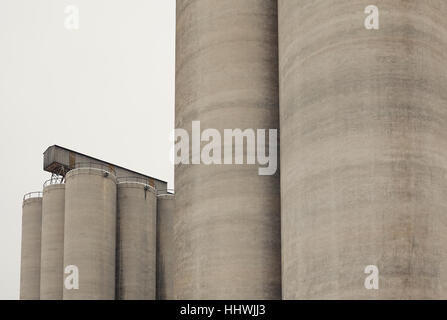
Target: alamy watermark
[(247, 146), (372, 280), (71, 21), (372, 20), (71, 281)]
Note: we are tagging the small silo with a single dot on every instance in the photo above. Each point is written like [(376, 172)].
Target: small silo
[(31, 239), (136, 239), (52, 265), (90, 232), (165, 245)]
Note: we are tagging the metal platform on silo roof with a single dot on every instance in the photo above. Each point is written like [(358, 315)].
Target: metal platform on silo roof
[(59, 160)]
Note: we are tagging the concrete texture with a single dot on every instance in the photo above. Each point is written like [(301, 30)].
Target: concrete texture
[(363, 149), (136, 244), (52, 265), (165, 247), (90, 232), (227, 228), (31, 239)]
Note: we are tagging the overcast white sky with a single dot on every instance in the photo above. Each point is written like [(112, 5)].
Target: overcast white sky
[(106, 90)]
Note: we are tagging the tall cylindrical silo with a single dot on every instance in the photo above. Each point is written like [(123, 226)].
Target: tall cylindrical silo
[(52, 265), (31, 239), (227, 228), (136, 244), (90, 234), (165, 246), (363, 148)]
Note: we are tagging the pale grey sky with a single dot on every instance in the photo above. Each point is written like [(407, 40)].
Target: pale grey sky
[(106, 90)]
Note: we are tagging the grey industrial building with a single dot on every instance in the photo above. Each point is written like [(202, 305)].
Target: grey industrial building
[(362, 115), (98, 217)]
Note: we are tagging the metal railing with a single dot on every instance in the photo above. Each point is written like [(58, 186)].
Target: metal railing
[(139, 180), (54, 180), (94, 165), (165, 192), (30, 195), (134, 179)]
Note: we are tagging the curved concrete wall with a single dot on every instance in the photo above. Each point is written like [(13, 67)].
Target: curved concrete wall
[(31, 239), (52, 265), (363, 149), (227, 228), (137, 214), (165, 247), (90, 233)]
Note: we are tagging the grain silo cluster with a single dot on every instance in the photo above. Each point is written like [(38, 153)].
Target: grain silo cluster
[(362, 116), (98, 221)]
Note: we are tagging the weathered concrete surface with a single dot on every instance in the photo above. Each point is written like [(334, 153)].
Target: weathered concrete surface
[(363, 148), (227, 228), (31, 239), (52, 264), (136, 245), (90, 233), (165, 247)]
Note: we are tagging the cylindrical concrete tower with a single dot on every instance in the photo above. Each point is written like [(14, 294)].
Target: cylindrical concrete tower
[(165, 246), (363, 148), (31, 239), (90, 233), (227, 228), (52, 265), (136, 244)]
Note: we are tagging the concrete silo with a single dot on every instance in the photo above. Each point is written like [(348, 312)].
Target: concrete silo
[(363, 148), (52, 253), (227, 228), (90, 233), (31, 239), (136, 243), (165, 246)]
